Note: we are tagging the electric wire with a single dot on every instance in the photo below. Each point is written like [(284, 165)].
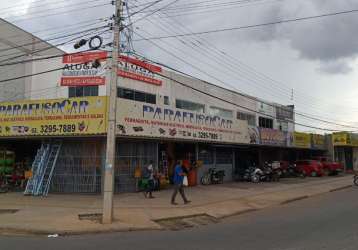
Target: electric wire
[(244, 95), (235, 104), (254, 25)]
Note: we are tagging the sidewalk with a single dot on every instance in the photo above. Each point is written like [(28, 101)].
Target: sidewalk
[(60, 213)]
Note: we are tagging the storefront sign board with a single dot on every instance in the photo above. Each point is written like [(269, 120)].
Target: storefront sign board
[(302, 140), (73, 116), (78, 69), (148, 120), (273, 137), (318, 141), (341, 139)]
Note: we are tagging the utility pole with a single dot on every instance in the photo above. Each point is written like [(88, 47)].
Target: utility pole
[(111, 124)]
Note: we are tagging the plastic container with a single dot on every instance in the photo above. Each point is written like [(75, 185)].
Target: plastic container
[(192, 178)]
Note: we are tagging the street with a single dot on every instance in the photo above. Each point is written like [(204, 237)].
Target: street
[(322, 222)]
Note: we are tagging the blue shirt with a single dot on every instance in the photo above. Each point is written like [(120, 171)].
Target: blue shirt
[(178, 178)]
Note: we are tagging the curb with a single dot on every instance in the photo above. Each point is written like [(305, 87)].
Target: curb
[(340, 188), (295, 199), (63, 233), (181, 217), (249, 210), (30, 232)]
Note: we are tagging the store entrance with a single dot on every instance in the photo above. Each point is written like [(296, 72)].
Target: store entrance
[(16, 157), (171, 152)]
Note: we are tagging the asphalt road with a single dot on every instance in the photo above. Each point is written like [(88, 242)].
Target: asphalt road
[(327, 222)]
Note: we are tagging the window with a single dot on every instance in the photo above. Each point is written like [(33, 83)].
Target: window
[(135, 95), (181, 104), (215, 111), (166, 100), (247, 117), (283, 126), (265, 122), (82, 91)]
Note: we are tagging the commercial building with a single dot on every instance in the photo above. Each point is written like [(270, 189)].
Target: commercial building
[(162, 116)]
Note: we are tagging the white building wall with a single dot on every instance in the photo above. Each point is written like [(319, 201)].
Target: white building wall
[(15, 89), (48, 86)]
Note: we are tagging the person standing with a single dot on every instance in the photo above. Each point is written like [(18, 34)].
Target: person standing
[(149, 175), (178, 184)]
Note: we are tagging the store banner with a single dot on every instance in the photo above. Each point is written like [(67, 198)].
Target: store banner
[(78, 69), (132, 68), (301, 140), (318, 141), (284, 113), (354, 140), (341, 139), (254, 135), (73, 116), (273, 137), (148, 120)]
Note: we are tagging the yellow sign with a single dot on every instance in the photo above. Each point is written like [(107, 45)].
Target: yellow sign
[(302, 140), (341, 139), (318, 141), (72, 116), (354, 140)]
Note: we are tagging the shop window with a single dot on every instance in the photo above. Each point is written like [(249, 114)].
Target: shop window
[(135, 95), (265, 122), (182, 104), (224, 156), (166, 100), (215, 111), (206, 155), (82, 91), (247, 117)]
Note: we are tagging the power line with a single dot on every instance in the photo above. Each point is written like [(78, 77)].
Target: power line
[(146, 7), (50, 38), (250, 70), (152, 13), (243, 95), (60, 13), (89, 31), (42, 72), (49, 9), (41, 58), (253, 25), (232, 103), (209, 51)]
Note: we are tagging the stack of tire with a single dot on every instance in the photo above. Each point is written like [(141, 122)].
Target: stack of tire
[(7, 160)]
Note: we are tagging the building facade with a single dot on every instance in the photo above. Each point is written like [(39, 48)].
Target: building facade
[(162, 116)]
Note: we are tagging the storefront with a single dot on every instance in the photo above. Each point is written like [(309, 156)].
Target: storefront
[(345, 150), (75, 126)]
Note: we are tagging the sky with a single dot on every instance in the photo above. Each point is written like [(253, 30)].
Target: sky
[(311, 64)]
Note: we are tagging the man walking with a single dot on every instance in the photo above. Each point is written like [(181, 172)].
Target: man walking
[(178, 184), (149, 175)]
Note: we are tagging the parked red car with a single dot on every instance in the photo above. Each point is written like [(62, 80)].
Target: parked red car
[(310, 167), (330, 167)]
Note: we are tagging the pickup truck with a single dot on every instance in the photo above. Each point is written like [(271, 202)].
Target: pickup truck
[(330, 167)]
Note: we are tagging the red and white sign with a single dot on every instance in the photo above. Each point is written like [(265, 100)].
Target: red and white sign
[(135, 69), (78, 69), (84, 57), (82, 81)]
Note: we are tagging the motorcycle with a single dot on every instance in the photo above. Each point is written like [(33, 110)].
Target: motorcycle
[(213, 176), (272, 172), (292, 171), (355, 179)]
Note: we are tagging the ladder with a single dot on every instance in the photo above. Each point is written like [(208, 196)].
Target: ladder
[(42, 169), (37, 164), (46, 173)]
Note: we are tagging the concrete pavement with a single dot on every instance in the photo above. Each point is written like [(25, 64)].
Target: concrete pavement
[(60, 213)]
